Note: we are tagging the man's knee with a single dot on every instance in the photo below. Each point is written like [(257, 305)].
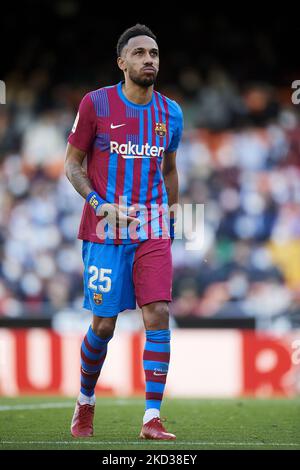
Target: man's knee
[(156, 316), (104, 327)]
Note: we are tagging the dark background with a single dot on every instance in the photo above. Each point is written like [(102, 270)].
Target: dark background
[(76, 40)]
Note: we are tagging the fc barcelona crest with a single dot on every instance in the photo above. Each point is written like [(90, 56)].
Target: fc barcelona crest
[(97, 298), (160, 129)]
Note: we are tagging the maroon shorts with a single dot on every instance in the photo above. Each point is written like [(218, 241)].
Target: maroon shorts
[(152, 271)]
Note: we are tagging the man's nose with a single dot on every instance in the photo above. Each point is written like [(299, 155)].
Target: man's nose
[(148, 59)]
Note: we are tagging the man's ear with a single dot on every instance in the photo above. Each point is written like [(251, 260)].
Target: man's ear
[(122, 63)]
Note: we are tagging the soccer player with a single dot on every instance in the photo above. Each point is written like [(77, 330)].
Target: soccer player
[(129, 133)]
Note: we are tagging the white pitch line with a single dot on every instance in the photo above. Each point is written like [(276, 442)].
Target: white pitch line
[(142, 442), (48, 406), (41, 406)]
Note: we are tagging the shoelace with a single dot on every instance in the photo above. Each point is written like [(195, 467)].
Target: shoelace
[(160, 421)]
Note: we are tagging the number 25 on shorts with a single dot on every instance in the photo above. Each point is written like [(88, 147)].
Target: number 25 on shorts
[(102, 276)]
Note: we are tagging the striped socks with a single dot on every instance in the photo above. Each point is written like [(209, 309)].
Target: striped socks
[(156, 359), (156, 364), (93, 354)]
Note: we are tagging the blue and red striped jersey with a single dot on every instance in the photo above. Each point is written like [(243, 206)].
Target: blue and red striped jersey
[(125, 145)]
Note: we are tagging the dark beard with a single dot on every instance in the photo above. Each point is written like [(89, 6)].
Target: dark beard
[(143, 82)]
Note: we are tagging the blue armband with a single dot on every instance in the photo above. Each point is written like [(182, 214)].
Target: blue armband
[(172, 227), (95, 200)]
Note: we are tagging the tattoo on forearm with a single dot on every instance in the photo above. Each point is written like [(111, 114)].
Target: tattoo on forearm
[(79, 179)]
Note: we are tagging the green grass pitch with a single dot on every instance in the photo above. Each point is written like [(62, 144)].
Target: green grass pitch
[(44, 423)]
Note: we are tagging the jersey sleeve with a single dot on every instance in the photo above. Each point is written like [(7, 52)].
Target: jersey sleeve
[(85, 125), (173, 146)]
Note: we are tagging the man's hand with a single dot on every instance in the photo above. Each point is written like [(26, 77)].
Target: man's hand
[(116, 215)]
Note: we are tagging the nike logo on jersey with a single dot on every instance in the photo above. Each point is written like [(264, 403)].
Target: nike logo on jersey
[(118, 125)]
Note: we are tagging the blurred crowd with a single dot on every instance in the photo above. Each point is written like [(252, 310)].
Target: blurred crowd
[(239, 157)]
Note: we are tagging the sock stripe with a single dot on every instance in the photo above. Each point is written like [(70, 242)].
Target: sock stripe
[(88, 374), (86, 386), (163, 336), (155, 387), (93, 369), (153, 404), (90, 380), (88, 354), (158, 347), (154, 396), (152, 365), (87, 360), (86, 392), (156, 356), (160, 336), (90, 348), (93, 356)]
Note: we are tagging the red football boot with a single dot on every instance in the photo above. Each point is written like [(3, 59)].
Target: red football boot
[(155, 430), (82, 422)]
